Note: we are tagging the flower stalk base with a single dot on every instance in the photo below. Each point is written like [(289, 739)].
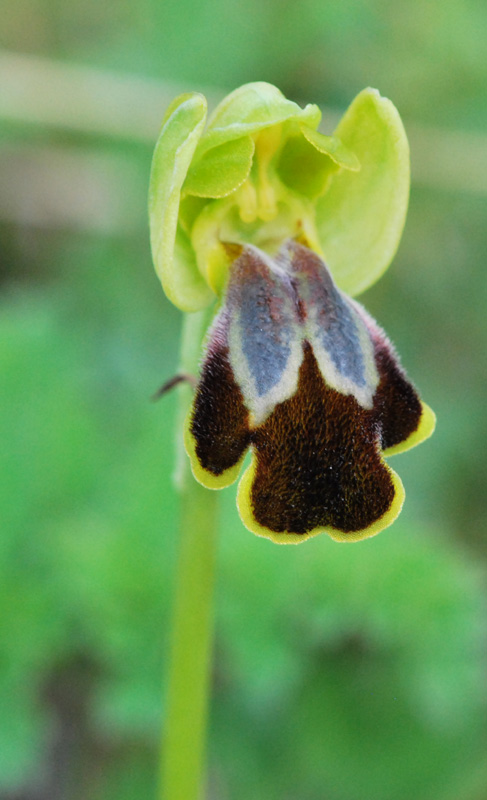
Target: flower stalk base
[(184, 742)]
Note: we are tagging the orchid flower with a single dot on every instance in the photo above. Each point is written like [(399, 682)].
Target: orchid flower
[(278, 226)]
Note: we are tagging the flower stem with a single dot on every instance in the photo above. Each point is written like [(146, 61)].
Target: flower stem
[(184, 742)]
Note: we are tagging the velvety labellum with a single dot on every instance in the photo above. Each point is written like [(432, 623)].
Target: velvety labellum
[(304, 376)]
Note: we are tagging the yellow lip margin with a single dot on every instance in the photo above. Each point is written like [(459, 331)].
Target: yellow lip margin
[(246, 514)]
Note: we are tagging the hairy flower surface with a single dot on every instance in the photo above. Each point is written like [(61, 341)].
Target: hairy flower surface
[(278, 221)]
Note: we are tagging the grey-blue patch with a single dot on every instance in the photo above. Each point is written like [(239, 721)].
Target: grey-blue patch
[(265, 328), (337, 327)]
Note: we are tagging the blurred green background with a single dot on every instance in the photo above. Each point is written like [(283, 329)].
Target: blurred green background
[(341, 673)]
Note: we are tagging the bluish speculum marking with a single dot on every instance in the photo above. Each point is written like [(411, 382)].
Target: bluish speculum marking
[(261, 302), (339, 334), (265, 336), (335, 321)]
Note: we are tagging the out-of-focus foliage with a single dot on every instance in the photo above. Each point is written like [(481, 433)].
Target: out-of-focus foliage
[(84, 570), (341, 672), (428, 57)]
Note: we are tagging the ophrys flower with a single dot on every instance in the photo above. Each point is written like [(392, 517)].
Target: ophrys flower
[(277, 220)]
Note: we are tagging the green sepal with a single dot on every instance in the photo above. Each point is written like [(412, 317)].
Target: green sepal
[(361, 217), (221, 170), (181, 130), (248, 110)]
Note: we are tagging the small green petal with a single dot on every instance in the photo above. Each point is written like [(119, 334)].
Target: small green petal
[(188, 284), (211, 257), (304, 168), (181, 130), (333, 147), (251, 108), (222, 169), (189, 209), (361, 216)]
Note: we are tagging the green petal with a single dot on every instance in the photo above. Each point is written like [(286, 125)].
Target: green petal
[(190, 207), (361, 216), (333, 147), (251, 108), (181, 130), (221, 170), (304, 168), (190, 290)]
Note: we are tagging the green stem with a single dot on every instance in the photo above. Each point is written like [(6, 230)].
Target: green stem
[(184, 742)]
